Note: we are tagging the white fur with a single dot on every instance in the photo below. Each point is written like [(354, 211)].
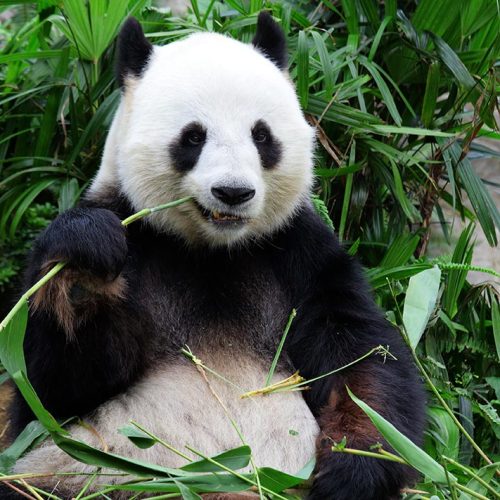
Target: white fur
[(226, 86), (176, 404)]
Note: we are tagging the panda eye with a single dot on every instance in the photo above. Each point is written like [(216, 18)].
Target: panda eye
[(261, 135), (193, 135), (195, 138)]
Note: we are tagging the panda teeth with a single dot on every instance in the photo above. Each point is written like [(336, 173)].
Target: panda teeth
[(224, 217)]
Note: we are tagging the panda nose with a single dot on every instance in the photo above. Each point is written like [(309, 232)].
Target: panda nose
[(233, 195)]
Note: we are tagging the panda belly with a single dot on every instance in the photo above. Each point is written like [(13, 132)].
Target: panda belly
[(177, 404)]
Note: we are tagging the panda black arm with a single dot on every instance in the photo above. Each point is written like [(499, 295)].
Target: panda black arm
[(79, 348), (337, 322)]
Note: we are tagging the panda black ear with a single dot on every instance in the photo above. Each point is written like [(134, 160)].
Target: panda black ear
[(133, 51), (270, 40)]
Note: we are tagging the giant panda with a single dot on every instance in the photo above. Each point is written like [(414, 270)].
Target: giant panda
[(217, 120)]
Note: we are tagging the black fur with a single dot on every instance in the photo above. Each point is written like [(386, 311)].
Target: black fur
[(247, 294), (267, 145), (186, 148), (270, 40), (134, 51)]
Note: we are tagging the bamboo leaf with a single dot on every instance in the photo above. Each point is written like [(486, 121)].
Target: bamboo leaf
[(420, 301), (495, 319), (408, 450), (303, 68), (431, 93), (453, 62), (34, 432), (237, 458), (138, 437), (187, 493)]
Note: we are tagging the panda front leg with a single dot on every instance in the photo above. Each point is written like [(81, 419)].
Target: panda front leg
[(390, 386), (82, 345)]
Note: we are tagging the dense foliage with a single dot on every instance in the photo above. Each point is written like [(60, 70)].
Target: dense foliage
[(399, 93)]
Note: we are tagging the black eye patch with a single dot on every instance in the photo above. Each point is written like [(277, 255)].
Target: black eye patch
[(186, 148), (267, 145)]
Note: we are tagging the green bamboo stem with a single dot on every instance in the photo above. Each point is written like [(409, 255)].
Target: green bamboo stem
[(280, 347), (388, 456), (40, 283), (26, 295), (160, 441), (148, 211), (470, 492), (376, 350), (480, 480)]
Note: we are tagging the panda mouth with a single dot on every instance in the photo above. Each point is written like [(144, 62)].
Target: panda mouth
[(221, 218)]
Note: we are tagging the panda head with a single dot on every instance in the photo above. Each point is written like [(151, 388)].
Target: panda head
[(211, 118)]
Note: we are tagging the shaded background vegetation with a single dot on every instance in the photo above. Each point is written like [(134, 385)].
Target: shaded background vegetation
[(399, 91)]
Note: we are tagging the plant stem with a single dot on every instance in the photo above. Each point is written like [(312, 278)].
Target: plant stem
[(376, 350), (26, 295), (147, 211), (388, 456), (473, 475), (470, 492), (451, 266), (160, 441), (197, 361), (292, 316)]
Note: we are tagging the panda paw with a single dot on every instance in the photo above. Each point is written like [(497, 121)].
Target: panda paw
[(91, 240), (346, 477)]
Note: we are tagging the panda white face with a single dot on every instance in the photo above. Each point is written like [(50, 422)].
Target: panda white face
[(214, 119)]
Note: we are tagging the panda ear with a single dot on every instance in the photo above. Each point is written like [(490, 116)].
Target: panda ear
[(270, 40), (134, 51)]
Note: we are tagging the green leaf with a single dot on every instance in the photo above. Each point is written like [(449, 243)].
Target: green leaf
[(12, 339), (138, 437), (431, 93), (326, 63), (33, 432), (378, 276), (383, 88), (92, 456), (278, 481), (455, 279), (448, 435), (187, 493), (453, 62), (420, 301), (495, 320), (378, 37), (303, 69), (234, 459), (408, 450), (400, 251), (399, 192), (486, 473), (391, 129), (322, 210), (29, 197)]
